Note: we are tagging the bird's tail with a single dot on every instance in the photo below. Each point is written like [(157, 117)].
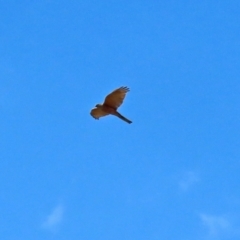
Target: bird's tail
[(123, 118)]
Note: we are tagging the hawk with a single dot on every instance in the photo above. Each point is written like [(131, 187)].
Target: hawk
[(111, 104)]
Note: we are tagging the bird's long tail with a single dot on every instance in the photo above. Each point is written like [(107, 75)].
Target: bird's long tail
[(123, 118)]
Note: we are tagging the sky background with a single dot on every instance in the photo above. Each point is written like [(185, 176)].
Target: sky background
[(173, 173)]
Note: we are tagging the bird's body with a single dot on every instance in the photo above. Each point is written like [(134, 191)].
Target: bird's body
[(110, 105)]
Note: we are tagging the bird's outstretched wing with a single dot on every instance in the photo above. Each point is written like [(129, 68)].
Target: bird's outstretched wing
[(98, 112), (115, 98)]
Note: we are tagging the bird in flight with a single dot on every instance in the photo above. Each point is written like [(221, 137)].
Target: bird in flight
[(111, 104)]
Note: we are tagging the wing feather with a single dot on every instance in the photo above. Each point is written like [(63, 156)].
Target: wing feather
[(97, 113), (115, 98)]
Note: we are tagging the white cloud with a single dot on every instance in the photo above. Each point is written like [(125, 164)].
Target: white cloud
[(215, 224), (188, 180), (54, 218)]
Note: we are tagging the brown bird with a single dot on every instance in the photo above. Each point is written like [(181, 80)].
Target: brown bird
[(111, 104)]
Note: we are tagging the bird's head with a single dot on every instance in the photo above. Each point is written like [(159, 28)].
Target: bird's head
[(98, 105)]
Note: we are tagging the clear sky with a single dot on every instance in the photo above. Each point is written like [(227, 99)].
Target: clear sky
[(173, 174)]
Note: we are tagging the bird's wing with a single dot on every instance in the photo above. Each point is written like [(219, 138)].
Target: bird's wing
[(115, 98), (97, 113)]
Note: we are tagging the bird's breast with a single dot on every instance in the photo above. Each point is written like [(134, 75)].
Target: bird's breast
[(108, 109)]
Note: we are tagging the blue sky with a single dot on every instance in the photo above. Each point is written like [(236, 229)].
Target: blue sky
[(173, 173)]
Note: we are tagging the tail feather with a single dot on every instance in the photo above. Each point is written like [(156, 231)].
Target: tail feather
[(123, 118)]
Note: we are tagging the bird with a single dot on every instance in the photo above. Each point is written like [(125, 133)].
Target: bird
[(110, 105)]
